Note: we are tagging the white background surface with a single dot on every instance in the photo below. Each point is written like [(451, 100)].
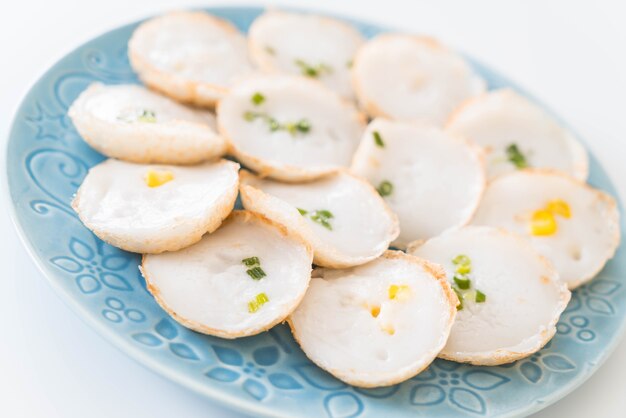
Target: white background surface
[(570, 53)]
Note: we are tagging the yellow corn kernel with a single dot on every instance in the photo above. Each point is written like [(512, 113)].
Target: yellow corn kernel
[(156, 178), (398, 292), (543, 223), (375, 311), (559, 207), (389, 329)]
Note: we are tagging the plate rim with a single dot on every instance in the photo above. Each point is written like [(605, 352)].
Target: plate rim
[(236, 402)]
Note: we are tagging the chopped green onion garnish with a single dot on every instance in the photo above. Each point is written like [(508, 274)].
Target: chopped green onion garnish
[(273, 123), (320, 216), (301, 126), (147, 116), (260, 300), (385, 188), (464, 269), (463, 263), (313, 71), (306, 69), (516, 157), (324, 213), (256, 273), (257, 99), (310, 71), (462, 283), (349, 64), (378, 140), (249, 116), (291, 128), (461, 259), (251, 261), (324, 223)]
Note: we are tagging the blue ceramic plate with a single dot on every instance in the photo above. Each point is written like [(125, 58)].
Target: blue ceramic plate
[(267, 374)]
